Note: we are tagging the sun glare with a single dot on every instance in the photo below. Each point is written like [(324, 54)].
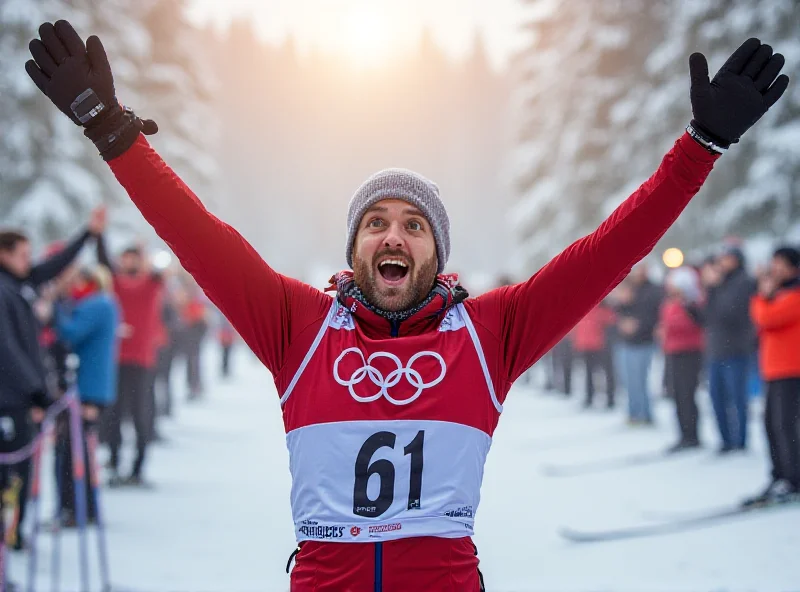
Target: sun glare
[(367, 36)]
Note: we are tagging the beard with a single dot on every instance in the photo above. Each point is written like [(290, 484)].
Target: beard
[(419, 282)]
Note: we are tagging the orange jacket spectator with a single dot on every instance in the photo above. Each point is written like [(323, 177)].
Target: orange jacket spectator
[(778, 323)]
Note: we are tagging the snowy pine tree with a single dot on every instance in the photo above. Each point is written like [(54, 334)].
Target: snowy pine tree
[(50, 176), (583, 60), (604, 93), (176, 91), (46, 184)]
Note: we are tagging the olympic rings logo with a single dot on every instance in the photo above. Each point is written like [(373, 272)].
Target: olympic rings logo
[(394, 377)]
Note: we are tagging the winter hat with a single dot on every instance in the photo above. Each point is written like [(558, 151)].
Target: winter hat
[(407, 186), (686, 281), (790, 255)]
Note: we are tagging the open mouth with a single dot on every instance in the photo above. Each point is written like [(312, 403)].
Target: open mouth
[(393, 271)]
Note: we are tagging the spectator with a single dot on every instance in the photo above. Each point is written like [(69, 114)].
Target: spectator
[(227, 336), (730, 336), (90, 329), (591, 344), (193, 316), (637, 321), (683, 343), (562, 356), (139, 293), (23, 378), (171, 331), (776, 314)]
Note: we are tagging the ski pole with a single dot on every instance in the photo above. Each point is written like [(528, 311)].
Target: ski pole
[(3, 557), (35, 487), (79, 480), (55, 530), (55, 568), (94, 479)]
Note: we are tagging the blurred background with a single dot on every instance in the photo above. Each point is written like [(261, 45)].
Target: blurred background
[(536, 118)]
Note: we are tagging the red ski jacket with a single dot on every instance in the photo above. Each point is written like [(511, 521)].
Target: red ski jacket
[(681, 332), (140, 301), (298, 332)]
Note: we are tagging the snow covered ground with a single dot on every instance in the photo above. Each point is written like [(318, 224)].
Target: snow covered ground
[(218, 519)]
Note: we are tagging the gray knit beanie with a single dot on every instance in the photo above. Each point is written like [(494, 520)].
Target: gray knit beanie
[(409, 187)]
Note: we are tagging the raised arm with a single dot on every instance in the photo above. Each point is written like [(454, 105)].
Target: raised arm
[(103, 257), (531, 317), (266, 308), (51, 268)]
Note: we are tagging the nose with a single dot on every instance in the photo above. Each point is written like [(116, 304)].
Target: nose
[(394, 236)]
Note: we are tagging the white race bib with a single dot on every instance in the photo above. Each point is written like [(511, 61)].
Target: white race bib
[(355, 481)]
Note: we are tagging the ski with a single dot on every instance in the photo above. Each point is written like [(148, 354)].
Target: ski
[(608, 464), (680, 524)]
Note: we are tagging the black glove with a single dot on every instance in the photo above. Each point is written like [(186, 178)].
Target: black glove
[(741, 92), (78, 80)]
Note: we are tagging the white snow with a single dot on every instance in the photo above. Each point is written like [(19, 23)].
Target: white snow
[(219, 518)]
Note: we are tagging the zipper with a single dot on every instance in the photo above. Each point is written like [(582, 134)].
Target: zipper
[(378, 567), (394, 332)]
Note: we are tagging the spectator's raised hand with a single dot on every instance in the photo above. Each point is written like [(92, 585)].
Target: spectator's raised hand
[(97, 220)]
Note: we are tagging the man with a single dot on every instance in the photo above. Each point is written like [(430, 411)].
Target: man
[(636, 325), (730, 342), (392, 389), (776, 314), (139, 292), (23, 389)]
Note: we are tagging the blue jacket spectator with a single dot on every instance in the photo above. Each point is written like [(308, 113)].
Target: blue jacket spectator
[(90, 327)]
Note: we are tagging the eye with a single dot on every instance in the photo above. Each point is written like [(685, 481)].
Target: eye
[(375, 223), (414, 225)]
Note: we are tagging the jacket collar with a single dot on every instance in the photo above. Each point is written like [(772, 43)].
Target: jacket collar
[(11, 281), (447, 292), (790, 284)]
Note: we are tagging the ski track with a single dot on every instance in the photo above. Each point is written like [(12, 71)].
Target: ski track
[(219, 520)]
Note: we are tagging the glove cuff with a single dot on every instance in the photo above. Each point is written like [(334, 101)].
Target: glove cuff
[(117, 131), (706, 139)]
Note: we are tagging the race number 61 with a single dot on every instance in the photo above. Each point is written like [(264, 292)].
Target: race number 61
[(369, 508)]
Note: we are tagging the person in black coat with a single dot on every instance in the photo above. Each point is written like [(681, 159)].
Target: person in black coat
[(730, 343), (23, 377)]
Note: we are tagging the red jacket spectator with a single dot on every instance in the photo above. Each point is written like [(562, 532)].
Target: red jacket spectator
[(681, 332), (590, 332), (140, 301)]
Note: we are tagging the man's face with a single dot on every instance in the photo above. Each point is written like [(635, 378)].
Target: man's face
[(781, 270), (130, 263), (18, 259), (394, 255), (728, 263)]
